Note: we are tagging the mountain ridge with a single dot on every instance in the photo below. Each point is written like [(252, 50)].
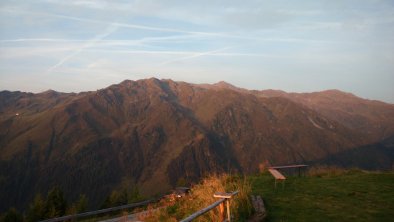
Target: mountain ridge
[(220, 84)]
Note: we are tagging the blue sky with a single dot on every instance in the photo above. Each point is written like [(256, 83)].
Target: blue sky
[(296, 46)]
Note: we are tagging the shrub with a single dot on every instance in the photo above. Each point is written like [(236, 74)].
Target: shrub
[(201, 196)]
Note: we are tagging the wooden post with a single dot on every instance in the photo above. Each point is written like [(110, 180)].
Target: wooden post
[(226, 196), (221, 211), (228, 210)]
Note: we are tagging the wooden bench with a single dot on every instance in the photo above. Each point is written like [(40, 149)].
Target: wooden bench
[(277, 175), (299, 167)]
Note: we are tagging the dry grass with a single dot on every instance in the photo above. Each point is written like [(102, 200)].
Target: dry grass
[(201, 196)]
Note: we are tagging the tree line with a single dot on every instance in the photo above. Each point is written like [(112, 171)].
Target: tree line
[(55, 205)]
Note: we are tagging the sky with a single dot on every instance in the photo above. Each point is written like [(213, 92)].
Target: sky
[(295, 46)]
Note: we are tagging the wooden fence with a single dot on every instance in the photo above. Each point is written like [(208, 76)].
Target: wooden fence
[(107, 210), (224, 199)]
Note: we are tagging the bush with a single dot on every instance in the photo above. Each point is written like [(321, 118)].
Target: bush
[(201, 196)]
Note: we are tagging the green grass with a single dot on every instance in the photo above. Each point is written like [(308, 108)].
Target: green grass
[(346, 196)]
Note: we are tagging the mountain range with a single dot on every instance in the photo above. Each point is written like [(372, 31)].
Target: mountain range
[(154, 133)]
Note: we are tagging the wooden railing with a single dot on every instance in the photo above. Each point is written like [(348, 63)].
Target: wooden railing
[(107, 210), (224, 199)]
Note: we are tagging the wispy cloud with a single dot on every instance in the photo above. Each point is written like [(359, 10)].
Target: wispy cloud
[(110, 30)]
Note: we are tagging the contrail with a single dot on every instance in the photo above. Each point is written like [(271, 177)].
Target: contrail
[(110, 29), (111, 42), (195, 55), (36, 40), (165, 38), (153, 28), (190, 54), (125, 25)]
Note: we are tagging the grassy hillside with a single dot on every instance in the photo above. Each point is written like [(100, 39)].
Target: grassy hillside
[(329, 195)]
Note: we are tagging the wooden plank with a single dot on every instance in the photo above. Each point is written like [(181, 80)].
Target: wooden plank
[(225, 195), (289, 166), (202, 211), (277, 174)]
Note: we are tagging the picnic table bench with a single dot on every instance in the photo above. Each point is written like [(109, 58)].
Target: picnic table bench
[(279, 176)]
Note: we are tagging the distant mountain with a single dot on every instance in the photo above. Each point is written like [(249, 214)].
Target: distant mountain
[(373, 118), (153, 133), (376, 156), (220, 86)]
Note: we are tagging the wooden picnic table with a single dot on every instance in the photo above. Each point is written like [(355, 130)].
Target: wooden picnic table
[(299, 166), (279, 176)]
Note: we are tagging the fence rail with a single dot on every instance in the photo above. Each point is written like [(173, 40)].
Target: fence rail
[(224, 198), (91, 213), (203, 211)]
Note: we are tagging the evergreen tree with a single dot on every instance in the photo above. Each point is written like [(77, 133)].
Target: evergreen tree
[(122, 198), (106, 203), (134, 195), (36, 209), (12, 215), (79, 206), (56, 205)]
